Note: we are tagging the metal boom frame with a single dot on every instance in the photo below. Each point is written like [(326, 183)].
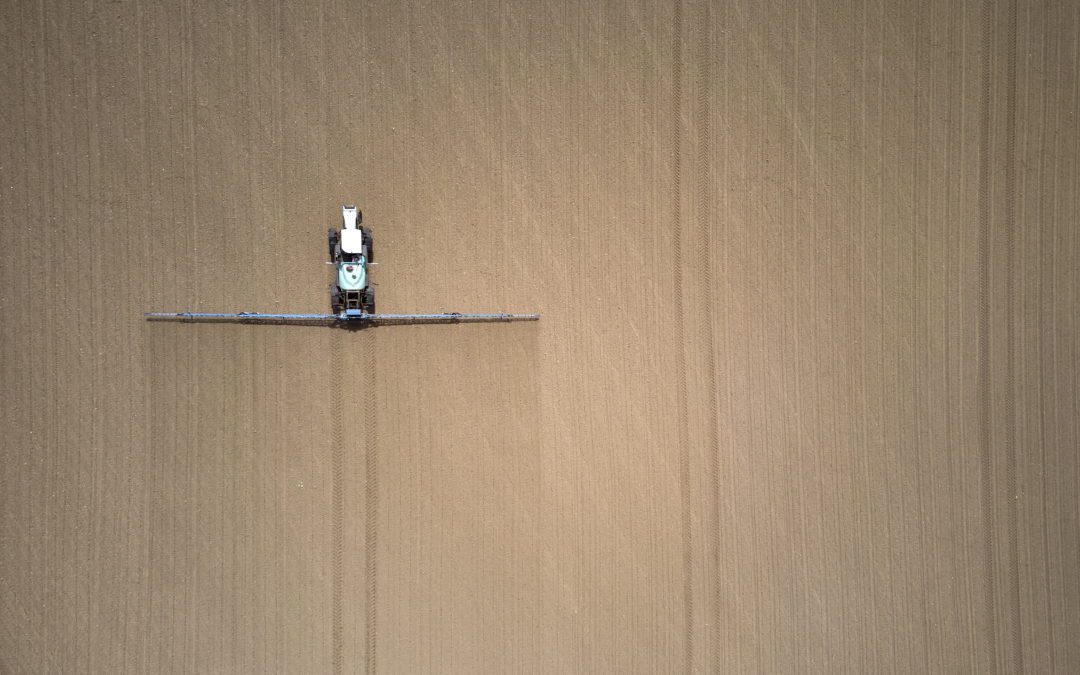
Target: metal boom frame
[(349, 317)]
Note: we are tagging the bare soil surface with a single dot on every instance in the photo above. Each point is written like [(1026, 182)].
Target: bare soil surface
[(803, 397)]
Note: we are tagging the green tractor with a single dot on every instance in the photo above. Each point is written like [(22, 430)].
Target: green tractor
[(351, 252)]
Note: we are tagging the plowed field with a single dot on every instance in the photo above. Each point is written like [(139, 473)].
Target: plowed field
[(804, 396)]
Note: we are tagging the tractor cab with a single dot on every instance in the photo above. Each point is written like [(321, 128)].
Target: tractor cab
[(352, 275)]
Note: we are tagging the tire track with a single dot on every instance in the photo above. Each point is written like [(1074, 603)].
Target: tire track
[(982, 394), (1009, 581), (371, 508), (337, 500), (706, 333), (1016, 636), (675, 145)]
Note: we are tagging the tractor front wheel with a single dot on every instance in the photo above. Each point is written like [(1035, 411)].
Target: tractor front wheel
[(369, 244), (334, 244)]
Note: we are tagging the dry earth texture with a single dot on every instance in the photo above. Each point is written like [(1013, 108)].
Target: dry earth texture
[(803, 398)]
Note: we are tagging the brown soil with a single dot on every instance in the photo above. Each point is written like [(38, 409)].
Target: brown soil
[(803, 398)]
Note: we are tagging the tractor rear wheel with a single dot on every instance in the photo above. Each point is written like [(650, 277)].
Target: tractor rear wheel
[(335, 300)]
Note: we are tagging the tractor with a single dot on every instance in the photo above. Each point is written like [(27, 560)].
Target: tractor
[(351, 252), (352, 297)]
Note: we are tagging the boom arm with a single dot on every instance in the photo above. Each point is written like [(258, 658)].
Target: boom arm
[(329, 319)]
